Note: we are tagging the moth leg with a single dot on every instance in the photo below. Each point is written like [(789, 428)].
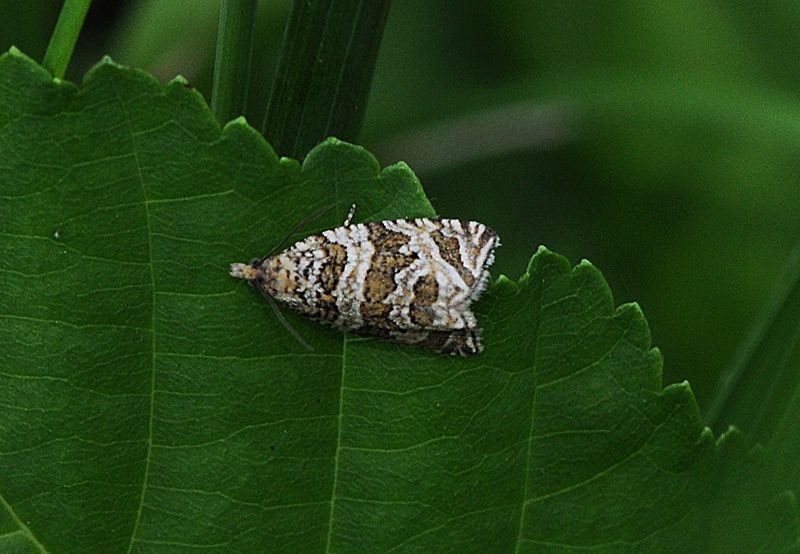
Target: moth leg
[(278, 313)]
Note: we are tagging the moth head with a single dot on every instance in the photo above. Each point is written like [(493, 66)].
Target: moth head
[(254, 274), (245, 271)]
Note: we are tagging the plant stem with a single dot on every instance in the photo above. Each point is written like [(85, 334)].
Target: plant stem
[(324, 74), (65, 35), (237, 23)]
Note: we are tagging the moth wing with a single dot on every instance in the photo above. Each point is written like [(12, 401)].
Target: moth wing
[(423, 318), (462, 342)]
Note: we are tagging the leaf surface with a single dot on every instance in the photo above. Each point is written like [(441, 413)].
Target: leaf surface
[(151, 403)]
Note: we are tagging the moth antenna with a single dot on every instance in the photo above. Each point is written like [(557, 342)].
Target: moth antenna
[(296, 228), (282, 319), (349, 216)]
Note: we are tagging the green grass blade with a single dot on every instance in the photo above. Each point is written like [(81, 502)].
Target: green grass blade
[(324, 75), (754, 391), (237, 22)]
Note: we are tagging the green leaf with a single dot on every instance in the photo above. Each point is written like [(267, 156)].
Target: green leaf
[(149, 402), (748, 497)]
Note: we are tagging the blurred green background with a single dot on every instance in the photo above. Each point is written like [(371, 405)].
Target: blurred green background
[(660, 140)]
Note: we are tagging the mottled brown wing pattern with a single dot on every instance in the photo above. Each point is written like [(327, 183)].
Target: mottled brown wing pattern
[(410, 281)]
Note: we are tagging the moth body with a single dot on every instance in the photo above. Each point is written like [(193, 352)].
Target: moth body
[(410, 281)]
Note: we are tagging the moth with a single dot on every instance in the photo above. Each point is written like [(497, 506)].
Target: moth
[(409, 281)]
